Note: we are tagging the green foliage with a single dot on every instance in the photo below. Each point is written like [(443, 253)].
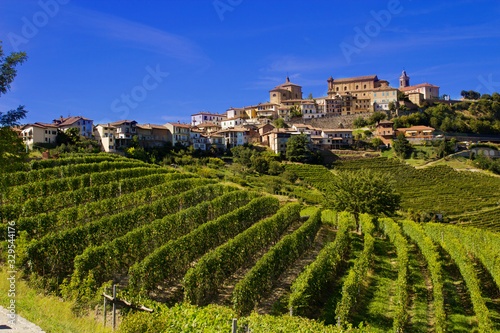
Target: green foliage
[(376, 117), (459, 255), (24, 177), (174, 257), (41, 224), (446, 147), (259, 280), (360, 122), (402, 146), (53, 255), (46, 188), (213, 268), (363, 191), (311, 283), (118, 255), (479, 117), (297, 148), (280, 123), (434, 189), (276, 168), (358, 273), (295, 111)]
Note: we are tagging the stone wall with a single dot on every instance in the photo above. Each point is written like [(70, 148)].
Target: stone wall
[(332, 121)]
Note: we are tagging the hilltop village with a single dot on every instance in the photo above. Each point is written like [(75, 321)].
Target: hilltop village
[(325, 121)]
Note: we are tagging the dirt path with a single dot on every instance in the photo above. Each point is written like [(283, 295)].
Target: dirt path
[(421, 309), (282, 286)]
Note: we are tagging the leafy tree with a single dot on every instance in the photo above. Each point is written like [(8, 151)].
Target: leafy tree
[(310, 96), (496, 97), (138, 153), (364, 191), (69, 137), (473, 94), (486, 96), (275, 168), (392, 106), (377, 142), (295, 111), (297, 148), (12, 149), (376, 117), (402, 146), (360, 122), (446, 148), (280, 123), (260, 164), (243, 155)]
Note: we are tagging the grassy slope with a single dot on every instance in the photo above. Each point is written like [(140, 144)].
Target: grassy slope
[(48, 312)]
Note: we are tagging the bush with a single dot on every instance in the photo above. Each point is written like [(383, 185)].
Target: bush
[(275, 168), (290, 176)]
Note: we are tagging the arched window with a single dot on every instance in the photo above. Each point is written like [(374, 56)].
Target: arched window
[(357, 87), (365, 86), (345, 88), (337, 88)]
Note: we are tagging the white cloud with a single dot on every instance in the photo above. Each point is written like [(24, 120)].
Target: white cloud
[(137, 35)]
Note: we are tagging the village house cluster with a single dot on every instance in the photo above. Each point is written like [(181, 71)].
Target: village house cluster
[(254, 123)]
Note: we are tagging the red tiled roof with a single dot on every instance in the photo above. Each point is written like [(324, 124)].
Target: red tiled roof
[(207, 125), (357, 78), (120, 122), (418, 86), (415, 128), (180, 125), (208, 113), (70, 120), (337, 130)]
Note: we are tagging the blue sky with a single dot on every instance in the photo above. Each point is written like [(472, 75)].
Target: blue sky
[(158, 61)]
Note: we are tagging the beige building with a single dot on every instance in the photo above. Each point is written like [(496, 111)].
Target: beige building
[(382, 96), (360, 87), (429, 91), (105, 134), (181, 133), (285, 91), (38, 133), (153, 135)]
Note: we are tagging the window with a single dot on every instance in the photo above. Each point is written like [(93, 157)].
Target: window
[(45, 131), (274, 95), (45, 139), (375, 95), (337, 88), (345, 88), (357, 87)]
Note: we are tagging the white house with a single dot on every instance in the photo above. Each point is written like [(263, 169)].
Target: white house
[(38, 133)]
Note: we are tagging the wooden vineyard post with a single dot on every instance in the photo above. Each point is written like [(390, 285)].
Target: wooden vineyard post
[(105, 299), (114, 307)]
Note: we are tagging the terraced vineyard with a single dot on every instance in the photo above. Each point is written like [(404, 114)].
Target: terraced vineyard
[(436, 189), (167, 237)]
